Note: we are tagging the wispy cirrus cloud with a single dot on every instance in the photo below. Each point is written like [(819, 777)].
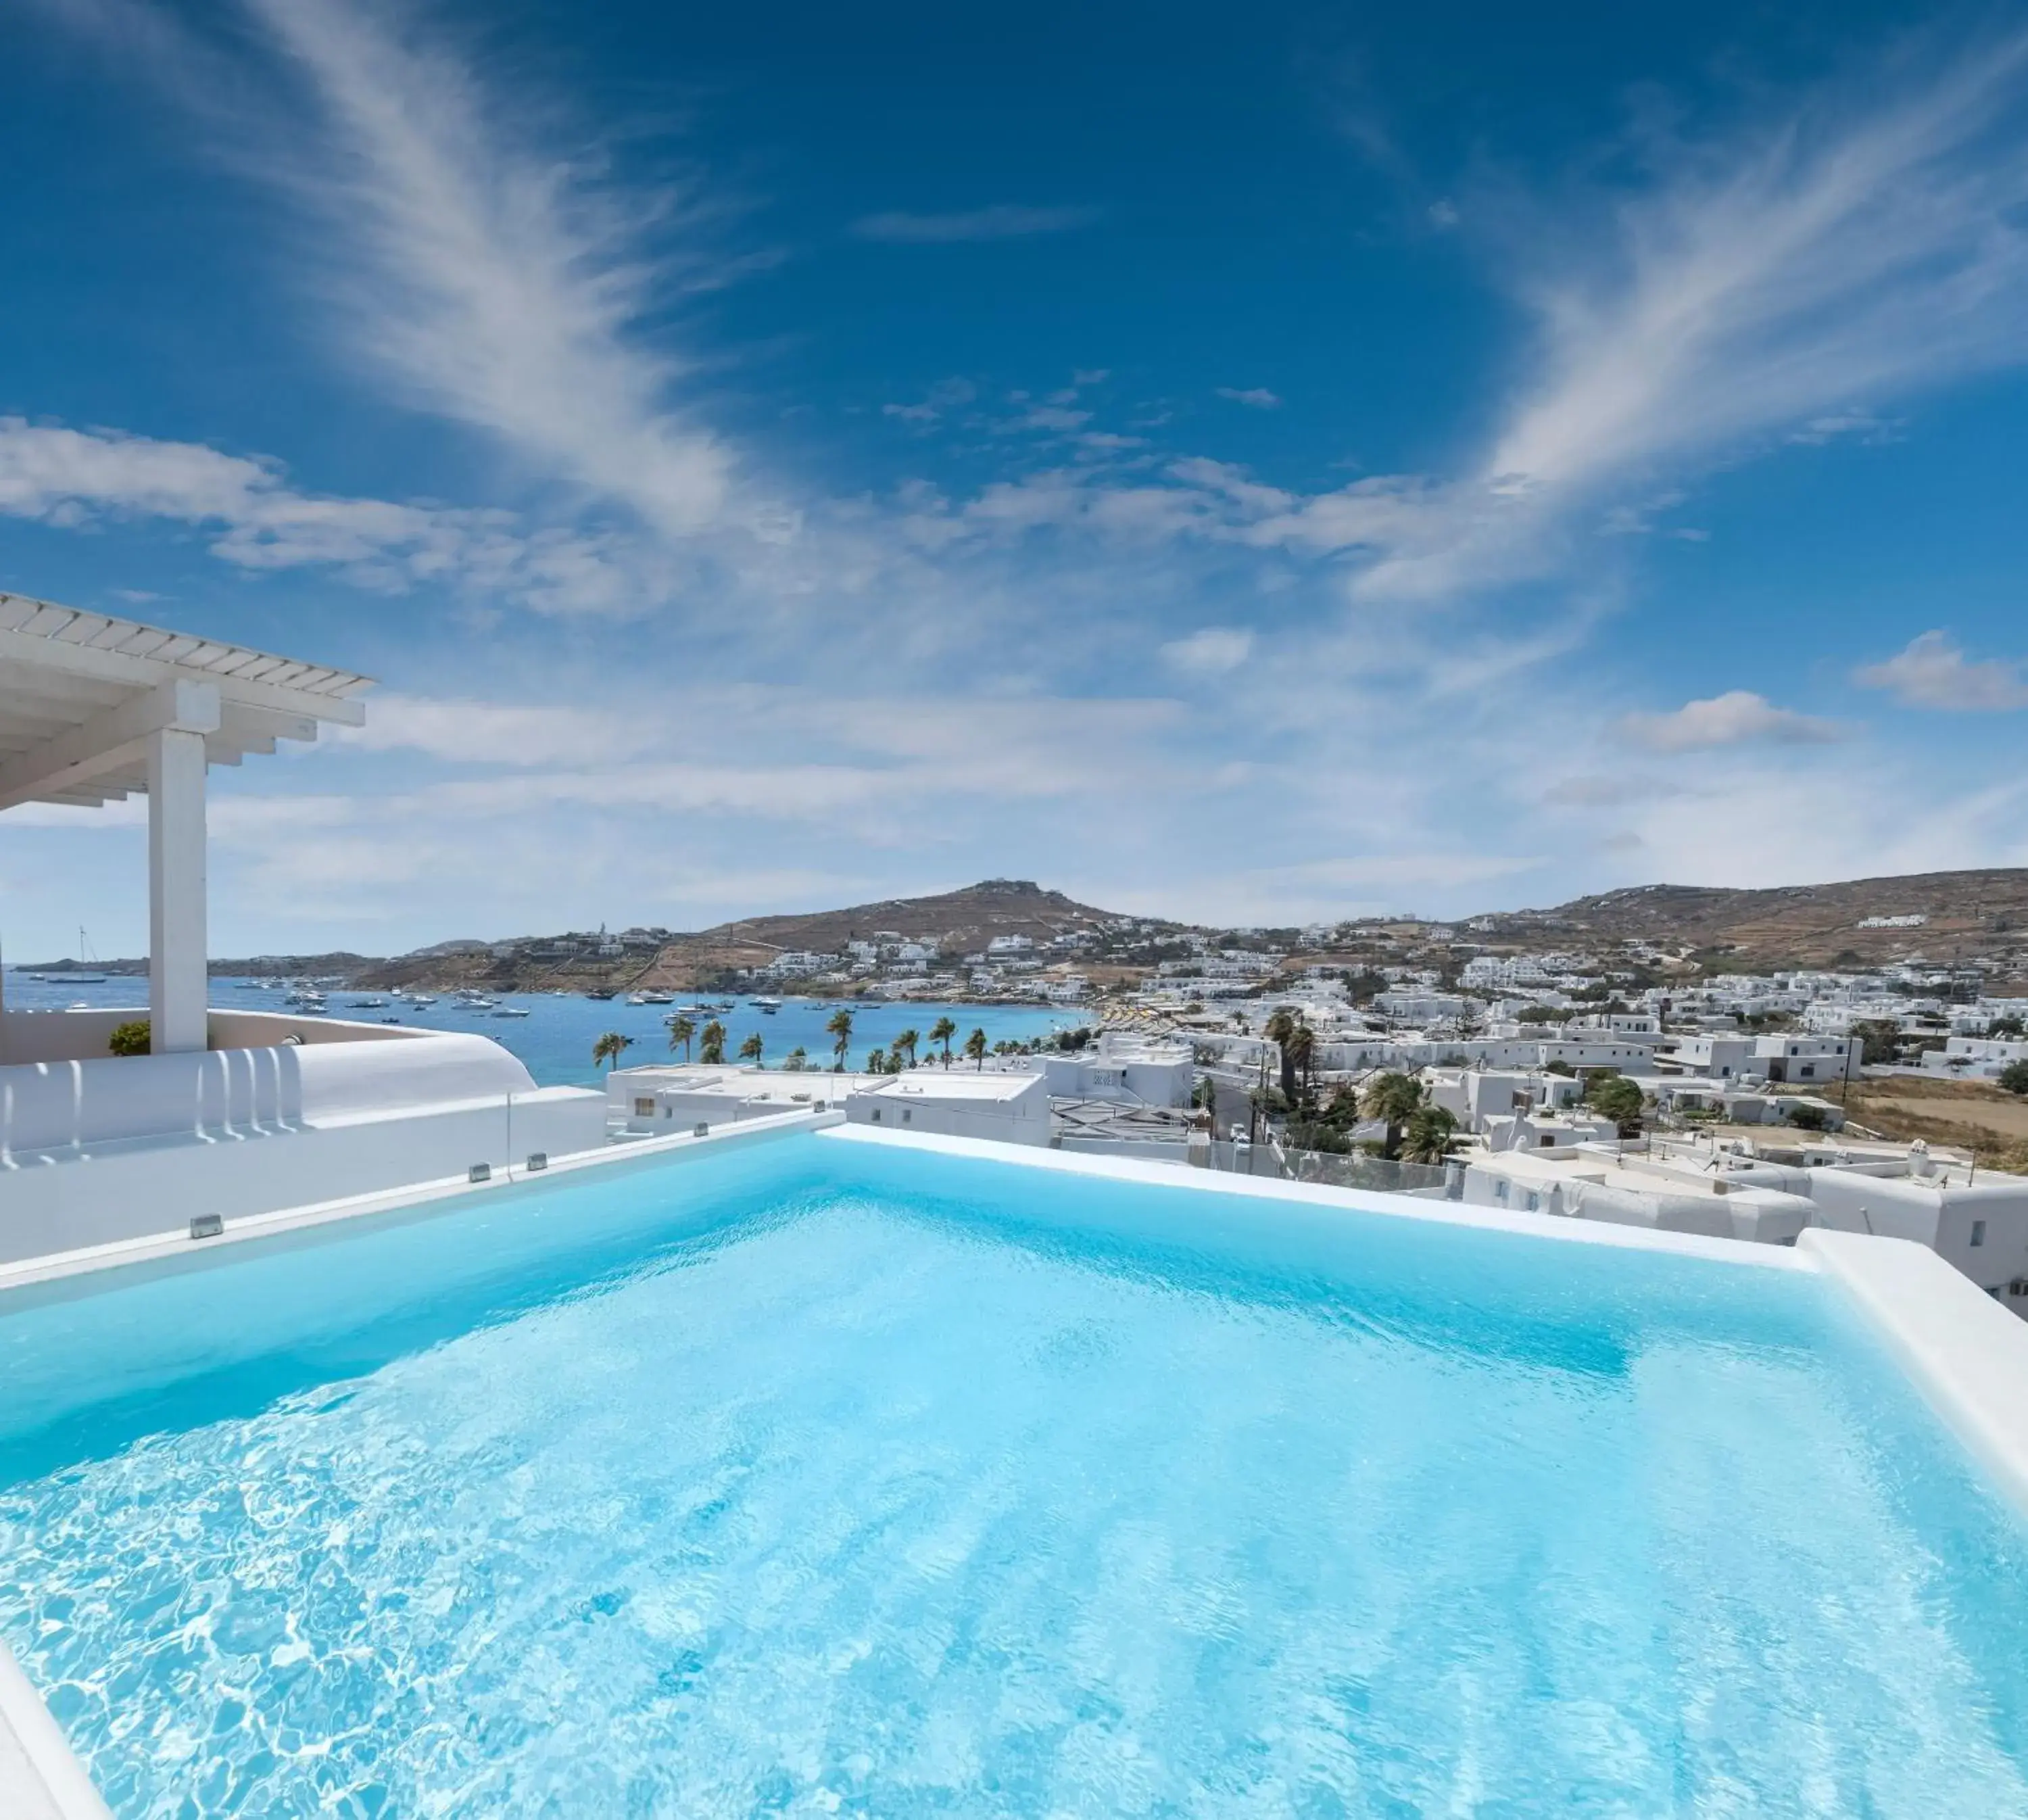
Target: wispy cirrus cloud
[(998, 221), (1259, 397), (1933, 671), (258, 521), (1739, 717)]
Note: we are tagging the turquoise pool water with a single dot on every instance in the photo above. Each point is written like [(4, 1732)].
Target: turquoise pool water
[(821, 1478)]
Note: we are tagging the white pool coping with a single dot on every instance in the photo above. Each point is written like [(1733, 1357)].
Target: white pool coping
[(1967, 1354)]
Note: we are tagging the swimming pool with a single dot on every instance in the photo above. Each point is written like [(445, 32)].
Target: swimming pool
[(834, 1476)]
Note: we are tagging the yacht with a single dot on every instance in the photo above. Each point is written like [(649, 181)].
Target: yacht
[(763, 1003), (509, 1011), (650, 997), (367, 1003)]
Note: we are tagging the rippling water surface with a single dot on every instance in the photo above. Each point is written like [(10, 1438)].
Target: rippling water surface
[(821, 1480)]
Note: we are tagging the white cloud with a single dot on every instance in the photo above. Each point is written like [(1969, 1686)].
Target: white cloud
[(1739, 717), (1258, 397), (1051, 417), (69, 477), (1000, 221), (1212, 652), (492, 279), (1933, 671)]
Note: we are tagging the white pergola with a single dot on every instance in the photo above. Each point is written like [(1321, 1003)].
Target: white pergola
[(93, 709)]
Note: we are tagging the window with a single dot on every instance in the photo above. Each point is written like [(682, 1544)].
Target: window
[(1548, 1139), (876, 1115), (1807, 1070), (644, 1108), (1979, 1232), (907, 1115)]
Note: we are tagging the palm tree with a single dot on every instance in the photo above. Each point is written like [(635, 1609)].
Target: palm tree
[(1431, 1133), (610, 1048), (712, 1038), (876, 1061), (905, 1043), (1278, 1029), (1300, 1051), (1393, 1097), (942, 1031), (840, 1028), (974, 1048), (749, 1051), (681, 1031), (796, 1059)]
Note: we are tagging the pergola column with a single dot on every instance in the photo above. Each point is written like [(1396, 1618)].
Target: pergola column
[(178, 965)]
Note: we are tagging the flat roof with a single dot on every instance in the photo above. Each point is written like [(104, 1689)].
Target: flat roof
[(80, 692), (954, 1084)]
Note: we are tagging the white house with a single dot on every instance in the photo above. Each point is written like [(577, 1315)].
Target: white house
[(1975, 1058), (955, 1103)]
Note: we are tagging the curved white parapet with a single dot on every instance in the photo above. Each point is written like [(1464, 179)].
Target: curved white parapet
[(48, 1106), (93, 1152)]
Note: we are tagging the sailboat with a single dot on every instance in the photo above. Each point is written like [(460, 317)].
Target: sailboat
[(84, 953)]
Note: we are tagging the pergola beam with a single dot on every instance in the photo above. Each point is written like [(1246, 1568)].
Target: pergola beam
[(109, 741), (93, 663)]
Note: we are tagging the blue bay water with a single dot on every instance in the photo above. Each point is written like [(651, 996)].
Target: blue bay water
[(555, 1039), (825, 1477)]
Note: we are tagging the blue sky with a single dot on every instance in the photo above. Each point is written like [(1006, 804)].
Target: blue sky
[(1250, 464)]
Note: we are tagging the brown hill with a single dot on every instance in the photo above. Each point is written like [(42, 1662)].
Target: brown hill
[(956, 923), (1967, 916)]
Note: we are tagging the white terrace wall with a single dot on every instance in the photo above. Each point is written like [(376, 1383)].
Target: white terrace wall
[(94, 1151)]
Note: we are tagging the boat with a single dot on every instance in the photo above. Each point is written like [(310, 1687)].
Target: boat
[(367, 1003), (763, 1003), (509, 1011), (650, 998), (602, 991)]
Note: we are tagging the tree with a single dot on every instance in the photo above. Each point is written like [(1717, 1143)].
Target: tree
[(1392, 1097), (1613, 1095), (796, 1059), (839, 1030), (1806, 1118), (2014, 1078), (1880, 1041), (135, 1038), (905, 1043), (876, 1061), (749, 1051), (1429, 1135), (681, 1031), (1279, 1030), (610, 1048), (711, 1042), (1301, 1049), (2006, 1026), (942, 1031), (974, 1048)]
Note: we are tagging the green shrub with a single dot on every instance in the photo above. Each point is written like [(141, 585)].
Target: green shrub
[(2014, 1077), (131, 1039)]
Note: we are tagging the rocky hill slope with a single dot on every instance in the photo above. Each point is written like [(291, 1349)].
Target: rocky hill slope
[(1858, 922)]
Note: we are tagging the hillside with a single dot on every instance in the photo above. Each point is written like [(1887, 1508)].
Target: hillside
[(957, 923), (1967, 916)]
